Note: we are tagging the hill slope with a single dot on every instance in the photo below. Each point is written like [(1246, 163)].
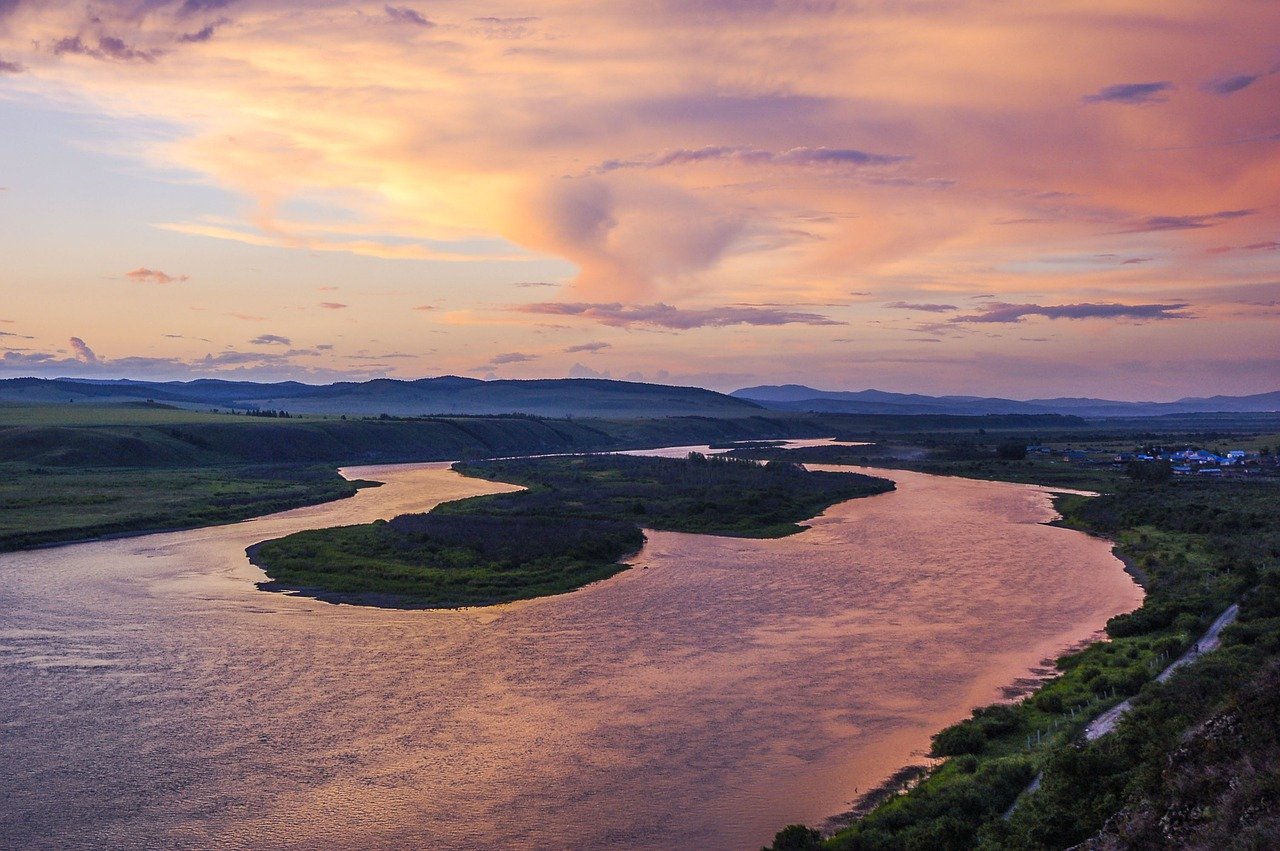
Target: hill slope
[(569, 397)]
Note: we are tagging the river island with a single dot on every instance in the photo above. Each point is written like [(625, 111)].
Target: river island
[(577, 516)]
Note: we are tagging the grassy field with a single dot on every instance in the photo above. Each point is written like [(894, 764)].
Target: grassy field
[(79, 414), (578, 516), (48, 505), (445, 560)]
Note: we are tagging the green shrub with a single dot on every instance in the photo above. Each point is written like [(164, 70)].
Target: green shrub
[(967, 737)]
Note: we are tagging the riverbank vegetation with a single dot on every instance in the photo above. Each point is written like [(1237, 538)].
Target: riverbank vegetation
[(578, 516), (1164, 777), (42, 505), (707, 494), (439, 560)]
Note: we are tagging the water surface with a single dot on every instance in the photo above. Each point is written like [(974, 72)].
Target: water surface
[(150, 696)]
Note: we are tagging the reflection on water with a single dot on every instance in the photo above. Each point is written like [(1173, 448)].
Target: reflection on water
[(150, 696)]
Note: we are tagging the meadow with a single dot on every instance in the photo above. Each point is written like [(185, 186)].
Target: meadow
[(45, 505)]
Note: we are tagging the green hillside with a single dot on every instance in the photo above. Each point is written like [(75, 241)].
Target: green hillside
[(566, 397)]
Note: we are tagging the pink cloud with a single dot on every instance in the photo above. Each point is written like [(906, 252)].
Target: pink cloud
[(82, 352), (154, 276), (999, 312), (666, 316)]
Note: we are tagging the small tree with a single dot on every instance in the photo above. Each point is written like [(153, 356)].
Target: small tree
[(965, 737), (796, 837)]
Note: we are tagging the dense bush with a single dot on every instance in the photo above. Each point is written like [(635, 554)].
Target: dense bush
[(966, 737)]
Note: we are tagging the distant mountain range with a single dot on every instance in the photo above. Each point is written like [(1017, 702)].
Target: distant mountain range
[(579, 397), (797, 397), (576, 397)]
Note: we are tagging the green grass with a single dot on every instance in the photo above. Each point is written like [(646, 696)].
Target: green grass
[(75, 414), (42, 505), (449, 560)]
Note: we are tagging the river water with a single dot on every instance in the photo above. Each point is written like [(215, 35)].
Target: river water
[(150, 696)]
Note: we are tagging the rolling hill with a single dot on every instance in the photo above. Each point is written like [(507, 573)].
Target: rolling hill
[(569, 397)]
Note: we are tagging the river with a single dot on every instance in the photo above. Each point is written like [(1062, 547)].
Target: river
[(150, 696)]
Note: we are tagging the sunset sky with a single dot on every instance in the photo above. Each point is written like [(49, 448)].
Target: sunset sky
[(1025, 199)]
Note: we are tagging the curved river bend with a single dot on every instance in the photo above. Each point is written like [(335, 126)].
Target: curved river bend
[(152, 697)]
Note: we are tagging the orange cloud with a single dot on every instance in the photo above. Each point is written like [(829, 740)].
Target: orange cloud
[(933, 124), (702, 154)]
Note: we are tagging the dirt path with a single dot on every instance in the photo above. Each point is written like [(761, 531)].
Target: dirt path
[(1106, 722)]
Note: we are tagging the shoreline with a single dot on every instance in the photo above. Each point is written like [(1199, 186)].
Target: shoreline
[(1130, 566), (166, 530), (897, 783), (906, 778)]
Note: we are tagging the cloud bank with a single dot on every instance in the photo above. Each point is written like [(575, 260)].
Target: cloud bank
[(665, 316), (999, 312)]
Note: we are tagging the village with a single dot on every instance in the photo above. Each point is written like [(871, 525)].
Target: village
[(1182, 461)]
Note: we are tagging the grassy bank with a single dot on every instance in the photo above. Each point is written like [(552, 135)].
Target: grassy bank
[(44, 505), (578, 516), (1197, 545)]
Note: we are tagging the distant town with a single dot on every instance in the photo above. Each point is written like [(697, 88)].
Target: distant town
[(1182, 461)]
